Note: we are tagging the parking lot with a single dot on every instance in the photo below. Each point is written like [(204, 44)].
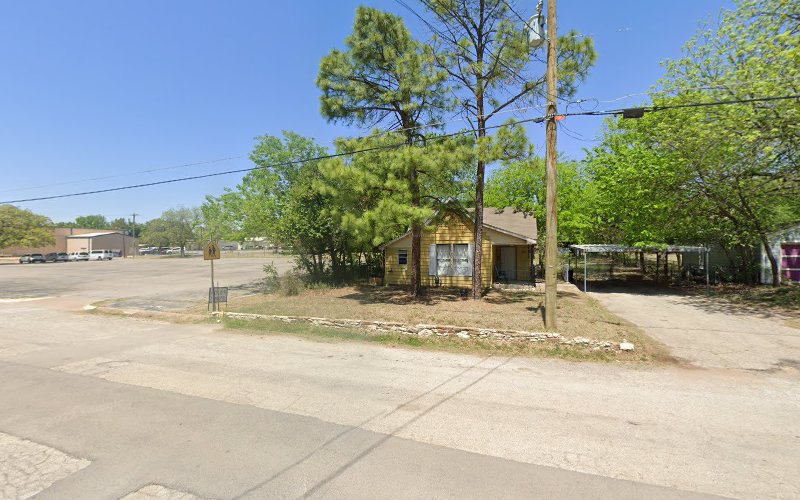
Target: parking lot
[(152, 278)]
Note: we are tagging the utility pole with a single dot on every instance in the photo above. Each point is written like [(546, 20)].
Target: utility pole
[(551, 204), (135, 248)]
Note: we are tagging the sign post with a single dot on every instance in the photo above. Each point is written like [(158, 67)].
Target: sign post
[(211, 252)]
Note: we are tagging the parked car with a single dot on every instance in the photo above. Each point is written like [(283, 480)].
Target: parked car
[(76, 256), (31, 258), (173, 250), (56, 257), (101, 255), (229, 247)]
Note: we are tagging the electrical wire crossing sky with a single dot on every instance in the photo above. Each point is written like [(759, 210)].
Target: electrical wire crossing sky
[(109, 95)]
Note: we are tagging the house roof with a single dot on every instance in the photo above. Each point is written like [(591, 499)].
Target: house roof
[(503, 220), (93, 235), (508, 221)]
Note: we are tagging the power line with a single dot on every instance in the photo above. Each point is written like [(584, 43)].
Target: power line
[(148, 171), (539, 119), (237, 157), (260, 167)]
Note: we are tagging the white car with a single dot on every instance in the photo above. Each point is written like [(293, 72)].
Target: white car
[(76, 256), (101, 255)]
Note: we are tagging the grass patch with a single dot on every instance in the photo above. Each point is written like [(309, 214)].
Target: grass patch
[(783, 299), (433, 343)]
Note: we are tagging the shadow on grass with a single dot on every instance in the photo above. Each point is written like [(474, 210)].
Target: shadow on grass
[(393, 295)]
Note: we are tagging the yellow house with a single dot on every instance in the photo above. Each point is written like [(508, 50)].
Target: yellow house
[(509, 239)]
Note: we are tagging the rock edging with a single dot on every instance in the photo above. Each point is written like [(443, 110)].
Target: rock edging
[(425, 330)]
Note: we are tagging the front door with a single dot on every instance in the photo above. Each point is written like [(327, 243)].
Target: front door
[(508, 262), (790, 261)]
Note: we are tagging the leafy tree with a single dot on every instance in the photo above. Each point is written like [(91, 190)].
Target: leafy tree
[(481, 45), (222, 217), (20, 227), (385, 76), (279, 201), (726, 174), (520, 184), (175, 227), (92, 222)]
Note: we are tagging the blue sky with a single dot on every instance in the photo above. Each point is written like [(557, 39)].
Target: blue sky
[(104, 89)]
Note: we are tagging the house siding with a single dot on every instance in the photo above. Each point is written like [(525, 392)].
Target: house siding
[(453, 231)]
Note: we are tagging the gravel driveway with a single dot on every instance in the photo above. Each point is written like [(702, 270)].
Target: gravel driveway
[(708, 332)]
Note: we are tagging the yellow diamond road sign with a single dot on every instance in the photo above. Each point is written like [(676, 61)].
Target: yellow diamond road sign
[(211, 251)]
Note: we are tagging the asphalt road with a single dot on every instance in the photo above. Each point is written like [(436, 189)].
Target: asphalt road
[(109, 407)]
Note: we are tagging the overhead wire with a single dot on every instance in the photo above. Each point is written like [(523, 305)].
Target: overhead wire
[(538, 119)]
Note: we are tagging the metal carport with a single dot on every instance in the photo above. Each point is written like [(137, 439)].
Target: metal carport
[(612, 248)]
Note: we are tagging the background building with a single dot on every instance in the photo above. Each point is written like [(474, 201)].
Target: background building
[(119, 243), (60, 235)]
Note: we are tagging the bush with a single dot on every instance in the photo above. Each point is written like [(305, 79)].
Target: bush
[(271, 280), (292, 283)]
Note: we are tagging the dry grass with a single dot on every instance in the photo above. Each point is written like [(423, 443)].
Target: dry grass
[(579, 315), (449, 344)]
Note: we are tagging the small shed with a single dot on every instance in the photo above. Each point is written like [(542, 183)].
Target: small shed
[(785, 246)]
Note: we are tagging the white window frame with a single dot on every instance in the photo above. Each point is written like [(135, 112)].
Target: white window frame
[(402, 254), (445, 254)]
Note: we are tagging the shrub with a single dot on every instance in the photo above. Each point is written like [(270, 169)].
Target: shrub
[(292, 283), (271, 279)]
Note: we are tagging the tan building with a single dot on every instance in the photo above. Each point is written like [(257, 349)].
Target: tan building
[(509, 239), (117, 242), (60, 235)]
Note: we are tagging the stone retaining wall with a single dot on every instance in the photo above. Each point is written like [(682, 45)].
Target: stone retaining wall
[(424, 330)]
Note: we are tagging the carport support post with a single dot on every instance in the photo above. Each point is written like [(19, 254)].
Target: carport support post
[(707, 279), (584, 271)]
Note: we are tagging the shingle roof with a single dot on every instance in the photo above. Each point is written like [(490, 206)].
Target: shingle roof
[(507, 220), (504, 220)]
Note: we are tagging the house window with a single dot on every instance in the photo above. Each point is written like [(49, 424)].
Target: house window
[(451, 260), (402, 256)]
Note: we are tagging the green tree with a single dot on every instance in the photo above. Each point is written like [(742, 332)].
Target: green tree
[(222, 217), (176, 227), (520, 184), (20, 227), (279, 201), (92, 222), (481, 45), (386, 77), (723, 174), (369, 191)]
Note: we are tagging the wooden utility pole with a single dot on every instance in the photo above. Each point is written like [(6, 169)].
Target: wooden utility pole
[(551, 242)]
